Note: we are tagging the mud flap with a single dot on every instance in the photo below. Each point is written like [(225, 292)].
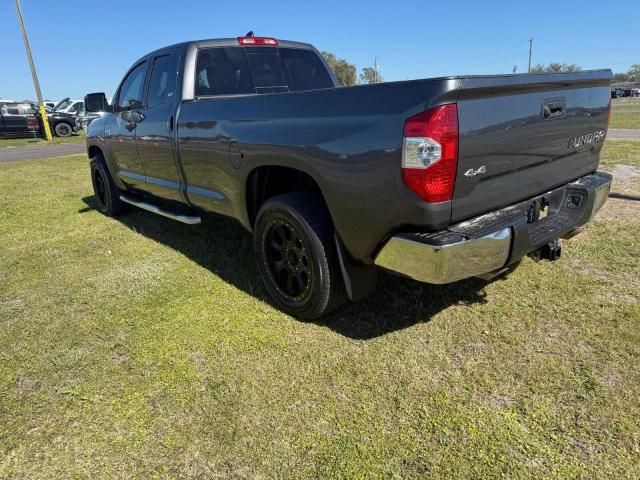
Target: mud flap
[(359, 280)]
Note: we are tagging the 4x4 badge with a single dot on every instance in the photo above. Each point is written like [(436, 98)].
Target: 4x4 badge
[(478, 171)]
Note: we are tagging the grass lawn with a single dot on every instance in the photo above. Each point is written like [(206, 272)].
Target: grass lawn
[(26, 142), (622, 119), (626, 102), (143, 348)]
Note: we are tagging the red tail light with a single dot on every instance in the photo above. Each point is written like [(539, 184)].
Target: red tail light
[(430, 153), (257, 41)]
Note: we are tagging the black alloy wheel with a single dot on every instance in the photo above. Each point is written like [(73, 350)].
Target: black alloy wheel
[(297, 256)]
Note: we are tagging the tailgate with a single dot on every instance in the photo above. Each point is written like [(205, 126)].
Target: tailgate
[(522, 135)]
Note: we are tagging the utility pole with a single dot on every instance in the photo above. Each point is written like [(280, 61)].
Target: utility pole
[(375, 69), (530, 47), (36, 83)]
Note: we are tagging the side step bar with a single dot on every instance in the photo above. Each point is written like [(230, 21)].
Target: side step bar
[(188, 219)]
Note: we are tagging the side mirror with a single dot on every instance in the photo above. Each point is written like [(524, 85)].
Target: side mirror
[(96, 102)]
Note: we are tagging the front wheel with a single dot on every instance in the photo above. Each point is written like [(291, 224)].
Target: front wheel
[(106, 193), (63, 130), (297, 257)]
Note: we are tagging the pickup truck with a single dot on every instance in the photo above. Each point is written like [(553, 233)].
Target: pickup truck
[(438, 179), (18, 120)]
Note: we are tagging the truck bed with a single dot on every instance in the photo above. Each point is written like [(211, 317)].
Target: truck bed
[(349, 140)]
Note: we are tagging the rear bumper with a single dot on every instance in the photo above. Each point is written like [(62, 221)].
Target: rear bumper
[(497, 239)]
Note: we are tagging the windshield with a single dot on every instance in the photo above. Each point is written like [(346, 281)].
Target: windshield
[(62, 105)]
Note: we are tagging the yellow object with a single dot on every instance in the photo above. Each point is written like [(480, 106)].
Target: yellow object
[(45, 123)]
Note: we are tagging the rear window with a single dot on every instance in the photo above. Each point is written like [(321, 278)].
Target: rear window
[(239, 70), (223, 71), (305, 70)]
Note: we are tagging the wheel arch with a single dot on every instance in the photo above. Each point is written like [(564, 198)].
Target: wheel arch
[(267, 181)]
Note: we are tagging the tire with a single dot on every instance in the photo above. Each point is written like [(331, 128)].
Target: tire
[(106, 193), (296, 255), (63, 129)]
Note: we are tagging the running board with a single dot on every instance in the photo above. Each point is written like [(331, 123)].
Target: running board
[(188, 219)]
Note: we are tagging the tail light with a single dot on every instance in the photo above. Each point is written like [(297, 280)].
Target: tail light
[(430, 153), (257, 41)]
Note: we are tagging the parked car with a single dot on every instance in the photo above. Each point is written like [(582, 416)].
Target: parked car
[(66, 105), (437, 179), (62, 124), (635, 92), (85, 118), (16, 120)]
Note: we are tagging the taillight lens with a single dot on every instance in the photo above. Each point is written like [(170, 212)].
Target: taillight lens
[(430, 153)]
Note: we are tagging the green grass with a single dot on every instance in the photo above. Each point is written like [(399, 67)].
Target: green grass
[(626, 102), (621, 153), (143, 348), (26, 142), (622, 119)]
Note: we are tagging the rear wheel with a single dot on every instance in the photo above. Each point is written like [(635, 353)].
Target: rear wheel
[(63, 130), (297, 257), (106, 193)]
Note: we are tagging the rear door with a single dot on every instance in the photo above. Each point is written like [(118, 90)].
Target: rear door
[(155, 127), (523, 135)]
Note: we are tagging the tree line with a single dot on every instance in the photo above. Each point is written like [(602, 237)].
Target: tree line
[(347, 73), (631, 75)]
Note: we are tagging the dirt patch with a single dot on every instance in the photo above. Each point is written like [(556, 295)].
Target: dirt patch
[(579, 267), (27, 384), (12, 305), (624, 199)]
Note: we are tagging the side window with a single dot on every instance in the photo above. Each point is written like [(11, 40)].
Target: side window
[(162, 84), (130, 95), (223, 71)]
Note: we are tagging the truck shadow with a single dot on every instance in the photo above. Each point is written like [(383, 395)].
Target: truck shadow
[(224, 248)]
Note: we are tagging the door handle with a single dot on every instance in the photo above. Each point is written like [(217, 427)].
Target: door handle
[(170, 123), (553, 108)]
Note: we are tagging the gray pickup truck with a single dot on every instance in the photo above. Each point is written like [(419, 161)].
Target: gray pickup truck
[(439, 179)]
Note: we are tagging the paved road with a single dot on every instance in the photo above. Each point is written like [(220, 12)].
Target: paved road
[(624, 134), (8, 154)]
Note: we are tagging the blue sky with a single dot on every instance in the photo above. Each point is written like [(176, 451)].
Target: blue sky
[(82, 46)]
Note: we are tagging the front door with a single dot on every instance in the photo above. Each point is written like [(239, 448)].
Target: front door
[(120, 131), (156, 123)]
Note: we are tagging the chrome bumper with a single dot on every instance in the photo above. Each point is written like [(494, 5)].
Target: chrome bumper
[(490, 242), (446, 263)]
